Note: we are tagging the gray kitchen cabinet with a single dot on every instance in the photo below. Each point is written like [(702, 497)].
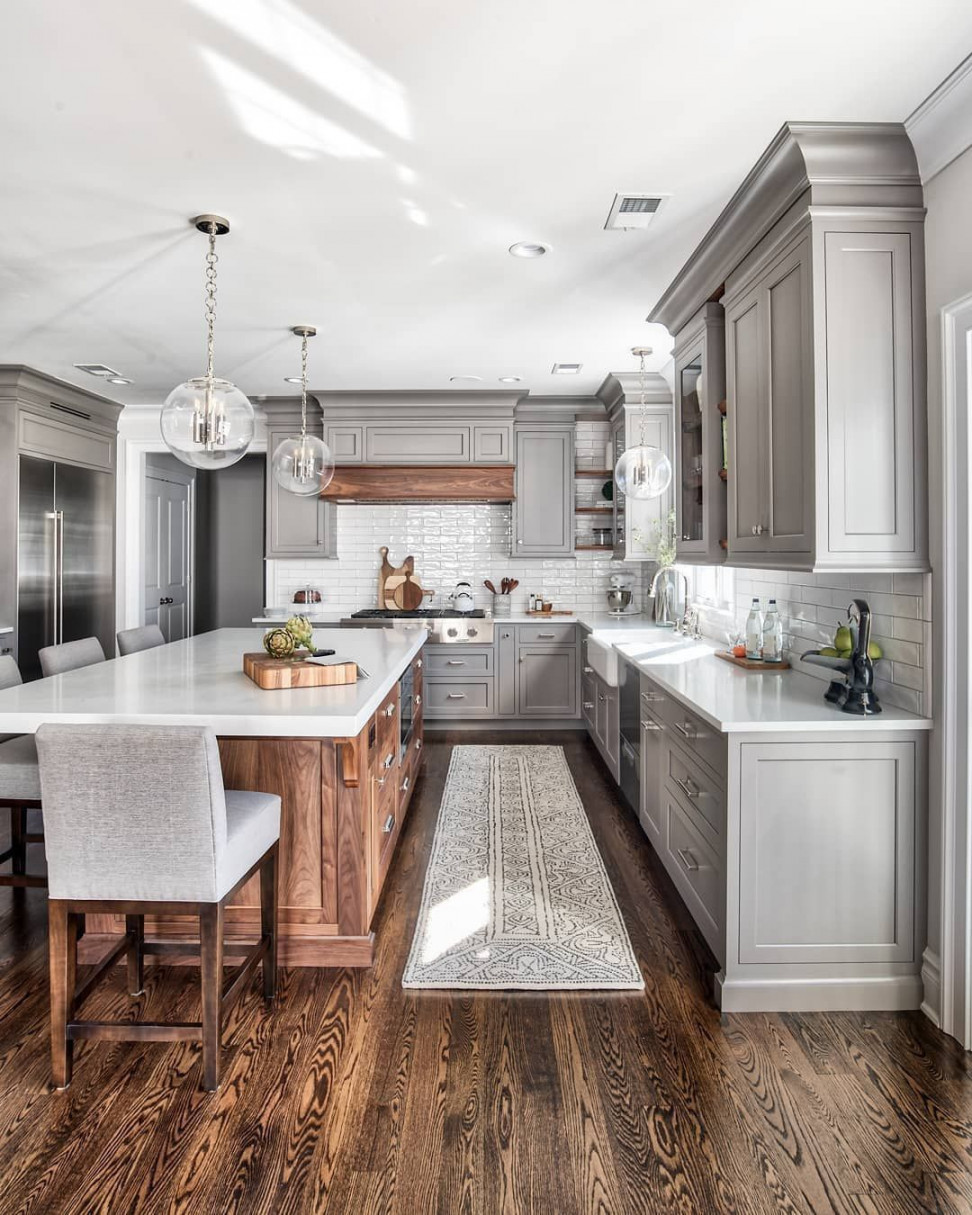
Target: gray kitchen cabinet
[(469, 696), (770, 409), (588, 699), (491, 444), (295, 526), (547, 681), (602, 718), (506, 664), (543, 513), (700, 388), (422, 438), (652, 781)]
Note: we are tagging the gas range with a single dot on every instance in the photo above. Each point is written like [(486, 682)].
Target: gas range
[(443, 626)]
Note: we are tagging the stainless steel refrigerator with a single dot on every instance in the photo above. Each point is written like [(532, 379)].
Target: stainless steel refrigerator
[(66, 558)]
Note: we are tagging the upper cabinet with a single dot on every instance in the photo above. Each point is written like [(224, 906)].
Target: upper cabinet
[(700, 477), (295, 526), (818, 263), (543, 510)]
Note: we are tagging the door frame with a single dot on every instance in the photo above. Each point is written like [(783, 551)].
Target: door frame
[(181, 476), (955, 645)]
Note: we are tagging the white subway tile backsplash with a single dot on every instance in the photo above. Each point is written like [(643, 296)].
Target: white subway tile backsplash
[(812, 605)]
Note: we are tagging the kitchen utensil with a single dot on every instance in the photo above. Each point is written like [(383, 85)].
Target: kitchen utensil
[(274, 673), (489, 586), (408, 595), (514, 583)]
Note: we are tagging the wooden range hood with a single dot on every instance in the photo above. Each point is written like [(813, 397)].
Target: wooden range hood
[(421, 483)]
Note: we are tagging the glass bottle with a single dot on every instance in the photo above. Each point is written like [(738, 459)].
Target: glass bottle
[(754, 632), (772, 634)]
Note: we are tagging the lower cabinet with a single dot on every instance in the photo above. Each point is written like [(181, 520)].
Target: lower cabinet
[(603, 719), (547, 681)]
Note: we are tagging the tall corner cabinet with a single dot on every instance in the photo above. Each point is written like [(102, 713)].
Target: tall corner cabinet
[(295, 526)]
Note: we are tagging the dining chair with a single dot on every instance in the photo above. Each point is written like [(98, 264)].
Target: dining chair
[(144, 637), (138, 823), (19, 791), (70, 656)]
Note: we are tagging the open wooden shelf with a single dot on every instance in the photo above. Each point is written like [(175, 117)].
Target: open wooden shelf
[(593, 510), (594, 548), (593, 472)]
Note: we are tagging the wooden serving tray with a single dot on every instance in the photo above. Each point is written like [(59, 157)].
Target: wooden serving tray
[(752, 664), (272, 674), (551, 613)]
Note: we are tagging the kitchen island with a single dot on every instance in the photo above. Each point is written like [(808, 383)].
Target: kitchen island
[(344, 761)]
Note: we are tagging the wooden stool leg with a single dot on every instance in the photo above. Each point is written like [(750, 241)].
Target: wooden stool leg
[(135, 927), (268, 921), (211, 977), (62, 935), (18, 844)]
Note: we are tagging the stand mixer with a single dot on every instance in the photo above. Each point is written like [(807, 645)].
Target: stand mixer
[(620, 595)]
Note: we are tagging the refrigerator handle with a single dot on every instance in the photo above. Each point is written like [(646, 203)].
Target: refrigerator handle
[(58, 577)]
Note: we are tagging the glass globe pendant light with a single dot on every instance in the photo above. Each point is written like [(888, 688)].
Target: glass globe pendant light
[(643, 471), (303, 465), (207, 422)]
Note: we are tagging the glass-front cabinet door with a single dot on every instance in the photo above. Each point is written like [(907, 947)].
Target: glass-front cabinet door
[(700, 457)]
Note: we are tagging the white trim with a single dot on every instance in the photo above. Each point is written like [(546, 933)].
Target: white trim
[(941, 127), (931, 981), (955, 1003)]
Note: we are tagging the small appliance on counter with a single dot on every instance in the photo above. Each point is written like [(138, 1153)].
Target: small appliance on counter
[(620, 595), (462, 598), (854, 692)]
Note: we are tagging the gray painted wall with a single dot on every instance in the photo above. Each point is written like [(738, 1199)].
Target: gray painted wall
[(229, 545)]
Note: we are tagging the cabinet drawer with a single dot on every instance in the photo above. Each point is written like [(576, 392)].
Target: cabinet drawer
[(546, 634), (458, 698), (459, 660), (690, 731), (696, 871), (697, 792)]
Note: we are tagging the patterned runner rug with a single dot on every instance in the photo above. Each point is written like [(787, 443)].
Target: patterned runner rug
[(516, 895)]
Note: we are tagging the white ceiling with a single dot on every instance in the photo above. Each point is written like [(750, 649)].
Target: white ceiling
[(376, 158)]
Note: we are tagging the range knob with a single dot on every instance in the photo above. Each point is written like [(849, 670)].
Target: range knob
[(452, 632), (473, 632)]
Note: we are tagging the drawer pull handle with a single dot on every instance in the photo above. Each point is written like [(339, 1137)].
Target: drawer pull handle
[(455, 662), (687, 788), (456, 696), (418, 700), (588, 670), (380, 781), (390, 710), (686, 731), (687, 859), (389, 824), (546, 636), (388, 760), (419, 664), (588, 704), (405, 783), (650, 725), (649, 699)]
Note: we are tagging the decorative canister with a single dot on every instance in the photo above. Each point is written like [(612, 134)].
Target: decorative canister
[(501, 605)]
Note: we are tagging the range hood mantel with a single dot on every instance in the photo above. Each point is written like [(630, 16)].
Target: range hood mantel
[(421, 483)]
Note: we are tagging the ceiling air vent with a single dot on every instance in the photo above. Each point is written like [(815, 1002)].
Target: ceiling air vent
[(98, 369), (633, 210)]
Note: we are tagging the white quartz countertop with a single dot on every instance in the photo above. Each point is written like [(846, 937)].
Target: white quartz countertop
[(6, 628), (200, 681), (737, 701)]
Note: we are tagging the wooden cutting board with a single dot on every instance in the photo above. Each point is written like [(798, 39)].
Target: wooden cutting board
[(272, 674), (391, 577), (408, 595)]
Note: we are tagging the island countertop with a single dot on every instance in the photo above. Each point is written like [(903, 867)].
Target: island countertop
[(200, 681)]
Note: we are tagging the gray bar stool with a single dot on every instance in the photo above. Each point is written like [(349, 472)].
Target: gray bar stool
[(19, 790), (70, 656), (145, 637), (138, 823)]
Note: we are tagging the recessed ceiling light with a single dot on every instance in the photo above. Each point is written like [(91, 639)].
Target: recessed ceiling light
[(292, 379), (118, 379), (529, 248), (469, 379), (98, 369), (510, 379), (566, 368)]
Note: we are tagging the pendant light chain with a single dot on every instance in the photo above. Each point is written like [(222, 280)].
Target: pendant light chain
[(303, 386), (644, 401), (211, 260)]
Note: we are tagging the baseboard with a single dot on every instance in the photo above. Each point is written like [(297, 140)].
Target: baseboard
[(888, 993), (931, 981), (503, 723)]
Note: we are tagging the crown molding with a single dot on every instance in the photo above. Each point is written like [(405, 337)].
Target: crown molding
[(21, 383), (941, 127), (846, 164)]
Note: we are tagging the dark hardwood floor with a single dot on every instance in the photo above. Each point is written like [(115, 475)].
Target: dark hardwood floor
[(353, 1096)]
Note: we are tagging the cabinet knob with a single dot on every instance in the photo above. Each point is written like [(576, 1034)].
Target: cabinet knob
[(418, 700), (418, 744), (758, 529), (419, 664)]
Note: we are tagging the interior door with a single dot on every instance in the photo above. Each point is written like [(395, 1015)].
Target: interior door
[(167, 555), (85, 501)]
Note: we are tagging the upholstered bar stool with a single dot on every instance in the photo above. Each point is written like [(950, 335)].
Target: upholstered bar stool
[(19, 790), (145, 637), (138, 823), (70, 656)]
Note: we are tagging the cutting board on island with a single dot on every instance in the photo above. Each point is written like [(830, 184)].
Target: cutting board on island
[(272, 674)]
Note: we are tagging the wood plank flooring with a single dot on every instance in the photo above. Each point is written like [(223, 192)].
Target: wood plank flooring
[(353, 1096)]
